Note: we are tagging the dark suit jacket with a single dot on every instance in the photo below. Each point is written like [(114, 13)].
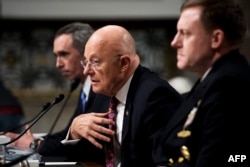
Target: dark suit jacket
[(52, 149), (151, 101), (220, 128)]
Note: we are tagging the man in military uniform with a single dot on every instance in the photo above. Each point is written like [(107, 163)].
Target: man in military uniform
[(212, 124)]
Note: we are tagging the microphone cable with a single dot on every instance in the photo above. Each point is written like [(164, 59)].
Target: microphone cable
[(74, 84)]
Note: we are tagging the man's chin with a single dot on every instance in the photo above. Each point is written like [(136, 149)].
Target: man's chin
[(96, 89)]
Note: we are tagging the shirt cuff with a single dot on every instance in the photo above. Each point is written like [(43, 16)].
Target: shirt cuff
[(67, 141)]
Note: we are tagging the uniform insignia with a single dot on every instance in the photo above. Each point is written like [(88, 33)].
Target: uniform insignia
[(186, 133), (190, 117)]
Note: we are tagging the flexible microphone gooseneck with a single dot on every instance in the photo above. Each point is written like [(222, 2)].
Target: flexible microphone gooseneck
[(57, 100), (73, 86), (45, 107)]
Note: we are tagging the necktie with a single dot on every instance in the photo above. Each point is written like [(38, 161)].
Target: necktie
[(110, 145), (83, 100)]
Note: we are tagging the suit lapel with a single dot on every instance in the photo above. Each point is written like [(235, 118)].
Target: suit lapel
[(129, 105), (126, 120)]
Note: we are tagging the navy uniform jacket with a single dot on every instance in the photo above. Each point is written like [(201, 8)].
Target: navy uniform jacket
[(220, 128), (150, 103), (53, 150)]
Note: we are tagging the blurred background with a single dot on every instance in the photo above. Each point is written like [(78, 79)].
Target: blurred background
[(27, 64)]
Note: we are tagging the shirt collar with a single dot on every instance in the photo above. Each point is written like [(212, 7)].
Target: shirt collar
[(123, 92), (206, 73)]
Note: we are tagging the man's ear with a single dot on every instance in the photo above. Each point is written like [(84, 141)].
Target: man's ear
[(217, 38), (125, 61)]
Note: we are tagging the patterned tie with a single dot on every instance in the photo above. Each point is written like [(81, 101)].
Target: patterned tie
[(83, 99), (110, 145)]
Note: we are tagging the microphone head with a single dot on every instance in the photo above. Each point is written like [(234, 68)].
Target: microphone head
[(74, 84), (59, 98)]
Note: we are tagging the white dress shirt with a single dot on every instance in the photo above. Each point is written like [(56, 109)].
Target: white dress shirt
[(121, 96)]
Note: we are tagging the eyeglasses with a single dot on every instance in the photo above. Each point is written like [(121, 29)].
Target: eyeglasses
[(93, 64)]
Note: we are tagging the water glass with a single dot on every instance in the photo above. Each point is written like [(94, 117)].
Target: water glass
[(2, 154)]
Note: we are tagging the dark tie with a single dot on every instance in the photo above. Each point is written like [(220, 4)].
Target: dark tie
[(83, 99), (110, 145)]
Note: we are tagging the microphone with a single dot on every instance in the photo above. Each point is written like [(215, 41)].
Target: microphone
[(46, 108), (58, 99), (74, 84), (27, 122)]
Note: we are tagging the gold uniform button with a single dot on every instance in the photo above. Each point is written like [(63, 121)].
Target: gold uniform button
[(170, 161), (180, 159), (185, 152)]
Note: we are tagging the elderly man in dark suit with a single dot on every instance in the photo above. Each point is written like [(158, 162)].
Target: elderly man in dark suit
[(145, 101)]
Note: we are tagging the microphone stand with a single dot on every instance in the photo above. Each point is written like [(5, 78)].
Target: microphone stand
[(73, 86)]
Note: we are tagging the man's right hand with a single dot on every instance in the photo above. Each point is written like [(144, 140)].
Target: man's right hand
[(91, 126)]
